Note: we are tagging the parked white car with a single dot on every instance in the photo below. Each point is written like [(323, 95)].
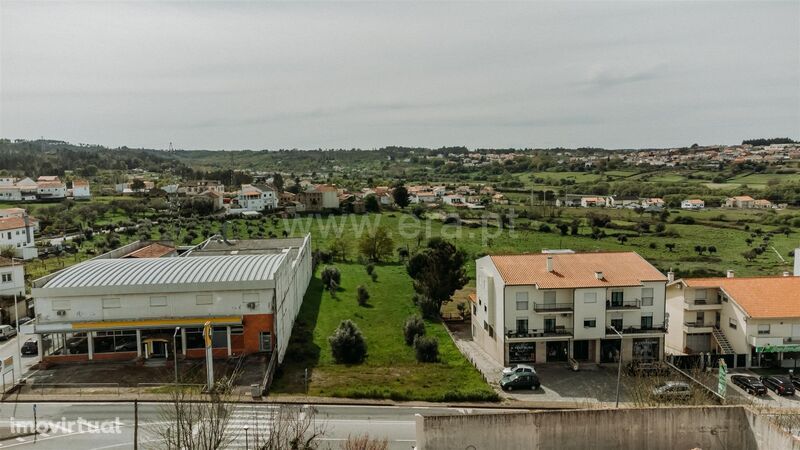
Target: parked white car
[(519, 368), (7, 332)]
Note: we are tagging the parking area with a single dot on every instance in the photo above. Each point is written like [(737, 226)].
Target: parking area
[(771, 400), (591, 384)]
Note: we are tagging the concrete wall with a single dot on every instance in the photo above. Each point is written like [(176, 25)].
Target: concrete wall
[(709, 428)]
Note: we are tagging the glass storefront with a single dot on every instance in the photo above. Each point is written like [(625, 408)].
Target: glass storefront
[(521, 352)]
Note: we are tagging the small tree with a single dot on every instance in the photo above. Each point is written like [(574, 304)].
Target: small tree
[(622, 239), (362, 295), (7, 251), (712, 249), (413, 328), (347, 344), (426, 349), (400, 196), (340, 248), (376, 246), (462, 308), (750, 255), (364, 442), (670, 246), (331, 278), (370, 268)]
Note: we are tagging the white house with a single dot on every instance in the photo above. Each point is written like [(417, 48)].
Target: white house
[(693, 204), (50, 188), (454, 200), (551, 306), (589, 202), (12, 278), (80, 190), (257, 198), (111, 308), (757, 319), (17, 232)]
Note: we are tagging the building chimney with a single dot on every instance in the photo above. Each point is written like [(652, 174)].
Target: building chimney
[(797, 262), (27, 222), (670, 276), (730, 274), (598, 275), (549, 263)]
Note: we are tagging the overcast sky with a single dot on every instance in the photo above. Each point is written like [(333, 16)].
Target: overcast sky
[(228, 75)]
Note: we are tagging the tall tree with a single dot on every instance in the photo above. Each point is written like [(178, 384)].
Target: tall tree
[(400, 195), (438, 271)]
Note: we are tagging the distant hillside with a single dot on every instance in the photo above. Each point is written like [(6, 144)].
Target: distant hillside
[(47, 157)]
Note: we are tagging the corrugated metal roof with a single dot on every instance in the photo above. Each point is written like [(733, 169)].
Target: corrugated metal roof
[(159, 271)]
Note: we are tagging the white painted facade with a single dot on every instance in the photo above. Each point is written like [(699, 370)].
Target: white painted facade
[(257, 198), (12, 280), (501, 313)]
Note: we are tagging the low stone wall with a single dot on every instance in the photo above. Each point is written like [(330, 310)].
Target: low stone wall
[(707, 428)]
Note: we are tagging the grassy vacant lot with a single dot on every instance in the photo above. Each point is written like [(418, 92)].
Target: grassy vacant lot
[(390, 370)]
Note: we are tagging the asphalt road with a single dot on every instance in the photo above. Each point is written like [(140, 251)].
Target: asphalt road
[(21, 365), (338, 421)]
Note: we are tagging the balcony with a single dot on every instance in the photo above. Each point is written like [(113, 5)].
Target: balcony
[(552, 307), (698, 327), (622, 305), (702, 305), (558, 331), (654, 329)]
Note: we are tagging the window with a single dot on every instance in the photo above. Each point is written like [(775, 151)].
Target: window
[(589, 322), (732, 323), (158, 301), (617, 324), (700, 296), (763, 329), (111, 303), (522, 325), (590, 297), (204, 299), (549, 297), (647, 321), (522, 301), (616, 298), (237, 330), (647, 296), (7, 277)]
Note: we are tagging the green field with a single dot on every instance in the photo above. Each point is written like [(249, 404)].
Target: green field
[(390, 370)]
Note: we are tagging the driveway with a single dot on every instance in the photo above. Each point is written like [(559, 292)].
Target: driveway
[(771, 400), (591, 384)]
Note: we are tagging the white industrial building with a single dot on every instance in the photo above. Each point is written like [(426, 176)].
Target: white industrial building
[(121, 308)]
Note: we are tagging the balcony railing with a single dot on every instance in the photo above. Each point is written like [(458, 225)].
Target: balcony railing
[(699, 324), (541, 332), (552, 307), (655, 328), (612, 305)]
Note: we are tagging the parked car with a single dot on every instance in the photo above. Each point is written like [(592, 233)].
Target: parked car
[(522, 380), (519, 368), (30, 348), (672, 390), (7, 332), (751, 385), (780, 384)]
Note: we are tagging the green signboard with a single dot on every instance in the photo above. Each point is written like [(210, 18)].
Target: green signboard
[(778, 348), (722, 378)]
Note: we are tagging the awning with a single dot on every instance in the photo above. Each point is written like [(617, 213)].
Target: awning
[(137, 324)]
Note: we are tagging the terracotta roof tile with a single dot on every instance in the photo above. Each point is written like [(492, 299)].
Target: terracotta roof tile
[(760, 297), (576, 270), (12, 223), (154, 250)]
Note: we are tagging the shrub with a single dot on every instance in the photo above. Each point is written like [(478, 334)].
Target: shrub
[(370, 267), (426, 349), (544, 228), (331, 274), (347, 343), (429, 307), (362, 295), (413, 328)]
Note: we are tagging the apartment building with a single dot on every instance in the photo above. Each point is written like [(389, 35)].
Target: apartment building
[(559, 304), (757, 319), (114, 307)]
